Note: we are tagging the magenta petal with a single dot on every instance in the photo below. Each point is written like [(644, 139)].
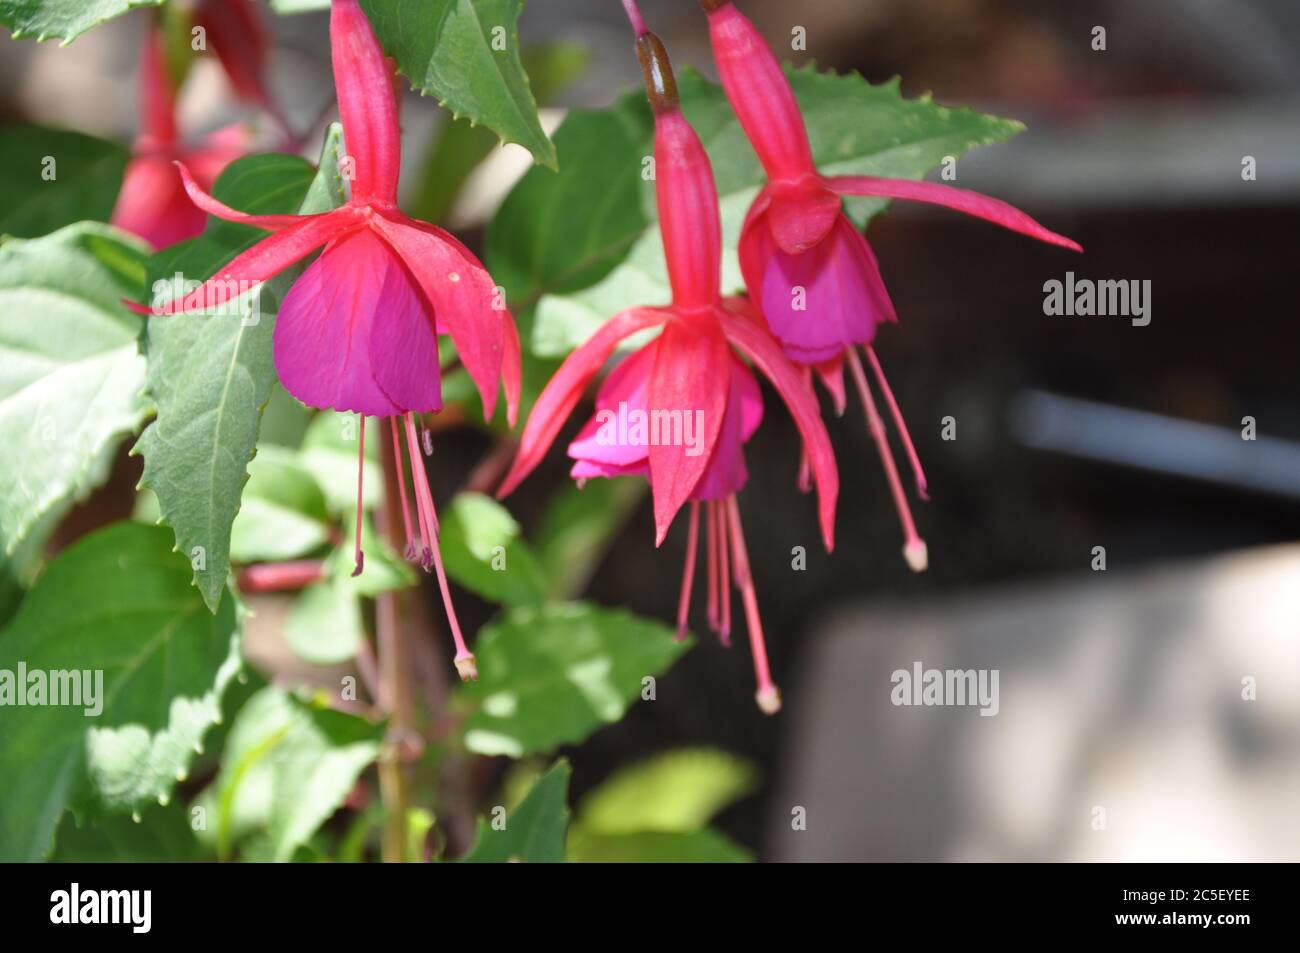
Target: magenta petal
[(354, 333), (826, 299), (602, 442), (726, 473)]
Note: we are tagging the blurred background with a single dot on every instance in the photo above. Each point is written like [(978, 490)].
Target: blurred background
[(1120, 689)]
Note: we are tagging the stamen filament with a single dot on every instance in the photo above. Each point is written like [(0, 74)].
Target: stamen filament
[(712, 566), (634, 16), (918, 474), (358, 556), (401, 489), (768, 695), (914, 549), (428, 516), (724, 576), (688, 573)]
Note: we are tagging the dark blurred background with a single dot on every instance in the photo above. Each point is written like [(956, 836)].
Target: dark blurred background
[(1119, 689)]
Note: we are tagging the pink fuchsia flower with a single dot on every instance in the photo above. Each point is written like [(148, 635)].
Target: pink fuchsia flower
[(697, 397), (358, 331), (152, 203), (239, 38), (810, 271)]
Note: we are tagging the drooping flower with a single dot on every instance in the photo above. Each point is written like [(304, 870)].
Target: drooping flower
[(152, 203), (238, 36), (358, 331), (679, 410), (809, 270)]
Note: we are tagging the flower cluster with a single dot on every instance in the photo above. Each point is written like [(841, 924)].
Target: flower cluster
[(359, 331)]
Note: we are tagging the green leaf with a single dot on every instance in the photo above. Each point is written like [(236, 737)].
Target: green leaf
[(676, 792), (534, 831), (466, 54), (62, 19), (117, 602), (71, 375), (56, 178), (483, 551), (288, 765), (211, 373), (462, 146), (582, 246), (552, 675), (330, 451), (299, 6), (160, 835), (282, 515), (655, 847), (578, 527)]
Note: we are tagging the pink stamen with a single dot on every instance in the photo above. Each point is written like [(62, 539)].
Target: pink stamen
[(724, 577), (401, 489), (428, 516), (768, 695), (358, 556), (914, 549), (688, 573), (712, 568), (428, 535), (917, 473), (634, 16)]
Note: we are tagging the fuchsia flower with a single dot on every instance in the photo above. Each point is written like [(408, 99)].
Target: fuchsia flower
[(238, 37), (797, 238), (359, 330), (691, 372), (153, 203)]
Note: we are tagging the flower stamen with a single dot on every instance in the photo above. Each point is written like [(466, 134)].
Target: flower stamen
[(401, 490), (768, 695), (918, 474), (358, 556), (914, 549), (688, 572)]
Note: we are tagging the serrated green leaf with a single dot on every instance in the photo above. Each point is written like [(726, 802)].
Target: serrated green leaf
[(483, 551), (465, 53), (55, 178), (211, 374), (677, 791), (288, 765), (552, 675), (62, 19), (159, 835), (582, 246), (120, 602), (282, 514), (705, 846), (534, 832), (72, 374)]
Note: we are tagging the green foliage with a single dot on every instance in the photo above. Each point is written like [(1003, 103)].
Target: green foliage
[(465, 53), (156, 835), (552, 675), (330, 452), (287, 766), (71, 385), (282, 514), (484, 551), (62, 19), (657, 811), (119, 602), (211, 374), (534, 831), (54, 178), (582, 246)]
